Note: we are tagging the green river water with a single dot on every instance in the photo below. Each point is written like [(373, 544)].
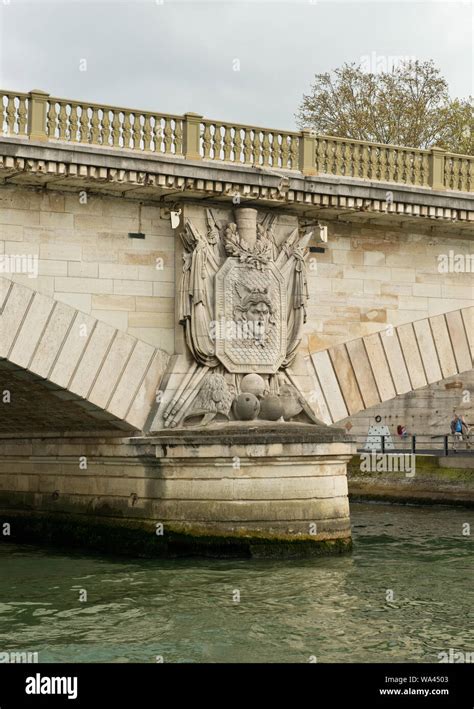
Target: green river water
[(334, 609)]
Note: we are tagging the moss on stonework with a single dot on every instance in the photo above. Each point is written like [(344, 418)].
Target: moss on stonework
[(427, 467), (138, 538), (430, 485)]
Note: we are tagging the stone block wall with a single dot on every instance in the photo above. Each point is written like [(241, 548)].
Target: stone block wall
[(368, 278), (87, 260)]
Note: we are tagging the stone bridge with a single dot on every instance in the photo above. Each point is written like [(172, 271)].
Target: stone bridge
[(80, 181), (92, 198)]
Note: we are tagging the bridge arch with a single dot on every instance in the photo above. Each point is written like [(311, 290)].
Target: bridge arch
[(364, 372), (105, 374)]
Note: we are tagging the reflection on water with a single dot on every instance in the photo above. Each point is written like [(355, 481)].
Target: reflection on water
[(336, 608)]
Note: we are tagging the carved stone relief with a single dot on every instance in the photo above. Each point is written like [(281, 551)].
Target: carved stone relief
[(242, 303)]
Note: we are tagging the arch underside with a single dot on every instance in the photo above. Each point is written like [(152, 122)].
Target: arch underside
[(362, 373), (63, 370)]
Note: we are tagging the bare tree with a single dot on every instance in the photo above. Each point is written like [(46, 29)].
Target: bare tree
[(409, 105)]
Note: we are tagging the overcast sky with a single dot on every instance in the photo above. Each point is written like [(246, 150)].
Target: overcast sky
[(249, 61)]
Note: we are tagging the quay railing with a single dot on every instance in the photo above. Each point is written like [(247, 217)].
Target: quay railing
[(444, 444), (38, 116)]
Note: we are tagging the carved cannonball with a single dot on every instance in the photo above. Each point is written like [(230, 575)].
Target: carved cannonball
[(246, 407), (253, 384), (290, 403), (271, 408)]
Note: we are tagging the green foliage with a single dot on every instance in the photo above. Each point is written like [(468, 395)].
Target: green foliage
[(409, 106)]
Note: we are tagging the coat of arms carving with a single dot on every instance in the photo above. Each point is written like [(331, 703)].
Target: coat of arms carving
[(242, 303)]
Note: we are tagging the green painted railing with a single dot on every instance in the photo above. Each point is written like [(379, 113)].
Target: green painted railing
[(39, 116)]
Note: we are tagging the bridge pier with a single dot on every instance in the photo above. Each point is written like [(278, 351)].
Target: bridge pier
[(127, 408), (269, 491)]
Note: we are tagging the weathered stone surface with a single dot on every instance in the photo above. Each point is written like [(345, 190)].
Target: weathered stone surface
[(111, 369), (31, 330), (329, 385), (363, 371), (72, 349), (412, 356), (296, 489), (459, 341), (131, 378), (428, 350), (92, 359), (346, 378), (380, 368), (396, 361), (443, 345), (14, 310)]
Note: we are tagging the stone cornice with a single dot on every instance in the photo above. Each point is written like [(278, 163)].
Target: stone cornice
[(163, 178)]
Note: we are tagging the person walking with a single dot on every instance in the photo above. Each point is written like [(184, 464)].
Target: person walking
[(460, 431)]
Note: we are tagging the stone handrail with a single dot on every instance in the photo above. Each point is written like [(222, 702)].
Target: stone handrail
[(81, 122), (372, 161), (249, 145), (38, 116)]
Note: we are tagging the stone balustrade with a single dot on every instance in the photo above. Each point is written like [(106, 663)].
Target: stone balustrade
[(250, 145), (41, 117)]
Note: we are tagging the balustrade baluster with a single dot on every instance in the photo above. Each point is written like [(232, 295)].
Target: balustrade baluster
[(62, 122), (455, 173), (275, 150), (51, 120), (416, 169), (247, 146), (217, 142), (237, 145), (22, 117), (265, 149), (94, 132), (116, 129), (11, 110), (227, 143), (320, 161), (470, 176), (105, 137), (256, 147), (463, 174), (293, 152), (356, 156), (206, 141), (399, 165), (136, 132), (158, 136), (167, 135), (146, 132), (374, 162), (126, 130), (84, 125), (178, 137), (348, 160), (382, 164), (73, 124)]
